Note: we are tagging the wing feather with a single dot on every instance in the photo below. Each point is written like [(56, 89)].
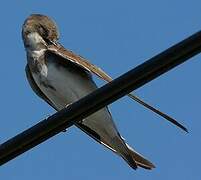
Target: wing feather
[(86, 65)]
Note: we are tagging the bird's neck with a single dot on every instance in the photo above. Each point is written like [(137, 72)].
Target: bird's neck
[(36, 47)]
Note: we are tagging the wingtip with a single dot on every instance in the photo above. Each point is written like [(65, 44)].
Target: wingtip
[(183, 128), (186, 130)]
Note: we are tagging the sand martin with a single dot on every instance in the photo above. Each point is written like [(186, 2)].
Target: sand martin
[(60, 77)]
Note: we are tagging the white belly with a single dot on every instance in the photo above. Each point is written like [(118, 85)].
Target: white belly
[(65, 86), (68, 87)]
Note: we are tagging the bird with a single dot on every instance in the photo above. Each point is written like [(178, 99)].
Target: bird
[(61, 77)]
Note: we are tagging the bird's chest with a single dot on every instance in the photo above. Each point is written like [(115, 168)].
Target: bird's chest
[(62, 84), (59, 84)]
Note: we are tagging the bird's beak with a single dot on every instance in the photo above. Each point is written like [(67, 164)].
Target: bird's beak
[(54, 43)]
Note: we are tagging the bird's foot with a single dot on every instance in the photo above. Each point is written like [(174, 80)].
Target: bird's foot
[(66, 107)]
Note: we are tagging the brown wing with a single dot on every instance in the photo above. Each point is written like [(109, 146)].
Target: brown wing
[(80, 61), (69, 55)]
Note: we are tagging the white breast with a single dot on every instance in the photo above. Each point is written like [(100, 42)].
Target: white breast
[(37, 53), (67, 86), (63, 83)]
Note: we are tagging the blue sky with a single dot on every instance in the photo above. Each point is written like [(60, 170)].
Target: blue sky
[(115, 35)]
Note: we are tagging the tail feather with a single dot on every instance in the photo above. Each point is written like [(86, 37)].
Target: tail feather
[(118, 146), (121, 148), (140, 160), (133, 158)]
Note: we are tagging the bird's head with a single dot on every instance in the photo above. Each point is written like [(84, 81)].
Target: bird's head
[(39, 30)]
